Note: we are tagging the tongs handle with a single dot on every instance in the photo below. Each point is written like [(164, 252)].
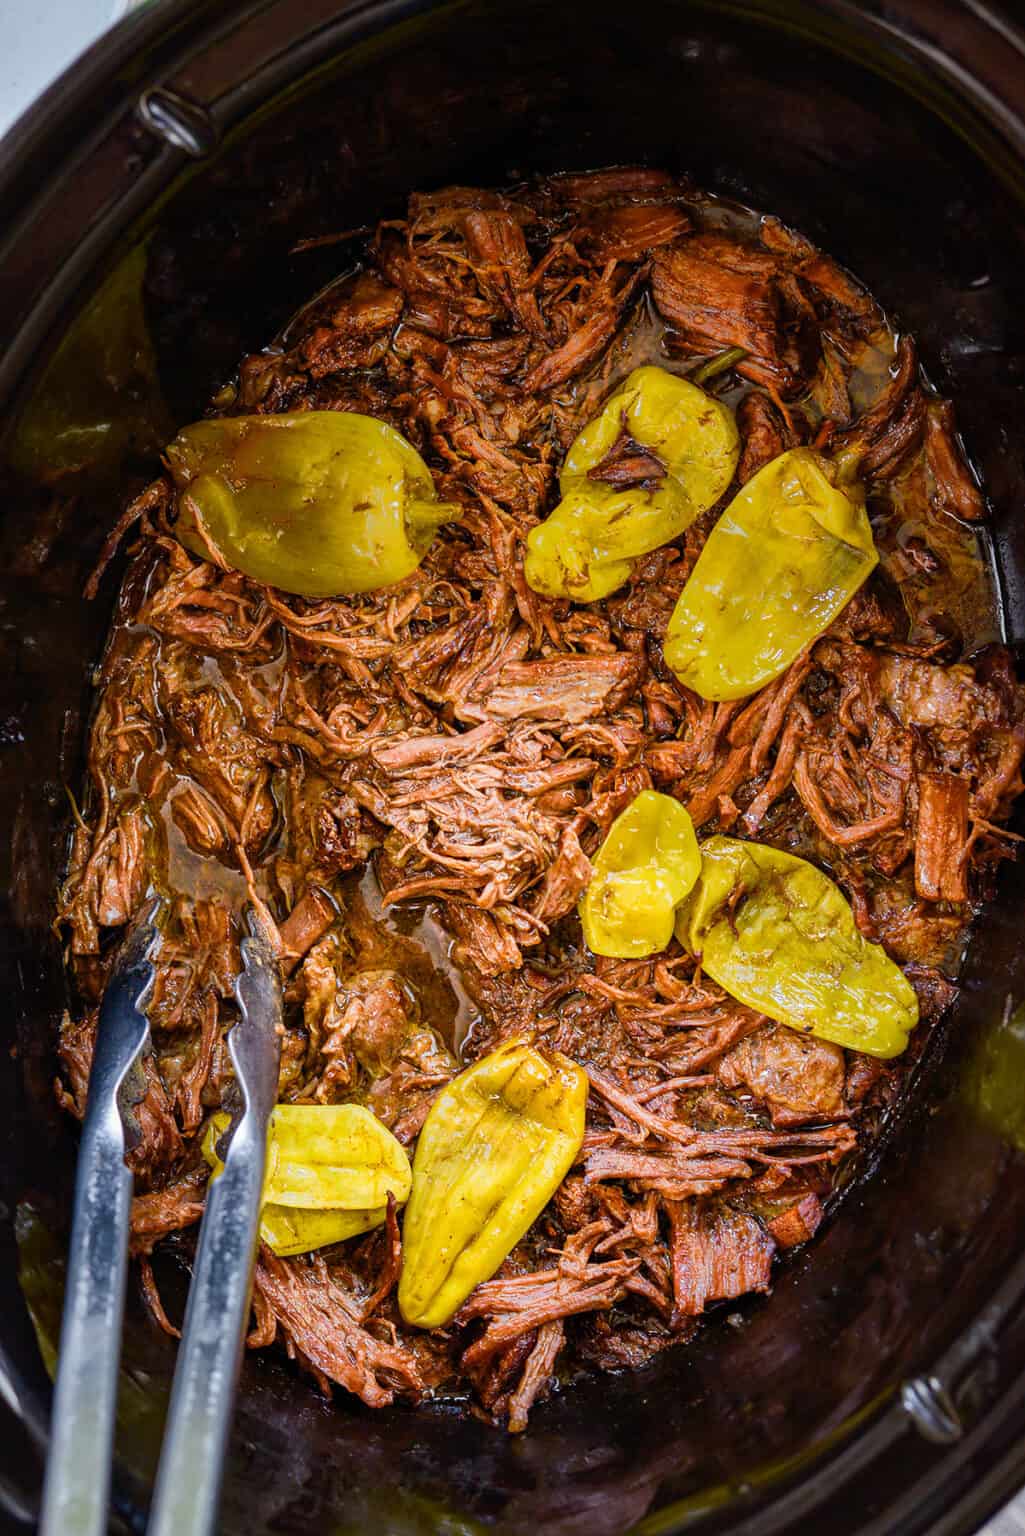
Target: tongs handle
[(77, 1487), (187, 1492)]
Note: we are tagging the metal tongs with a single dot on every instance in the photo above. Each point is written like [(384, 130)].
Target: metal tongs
[(76, 1492)]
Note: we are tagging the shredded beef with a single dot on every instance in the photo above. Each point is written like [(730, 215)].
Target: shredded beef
[(323, 1325), (413, 782)]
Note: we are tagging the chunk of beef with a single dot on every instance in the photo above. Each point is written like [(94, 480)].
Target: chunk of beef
[(832, 287), (358, 332), (163, 1211), (921, 693), (717, 1253), (154, 1140), (629, 232), (495, 238), (538, 1374), (565, 879), (764, 434), (797, 1077), (606, 309), (519, 1304), (307, 923), (569, 689), (955, 489), (380, 1014), (799, 1223), (941, 840), (107, 878), (717, 293), (702, 1162), (397, 756), (889, 430), (482, 941), (618, 184), (935, 992)]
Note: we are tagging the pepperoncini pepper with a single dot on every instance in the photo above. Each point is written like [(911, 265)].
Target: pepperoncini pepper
[(791, 549), (497, 1143), (317, 503), (586, 548), (330, 1170), (777, 934), (643, 870)]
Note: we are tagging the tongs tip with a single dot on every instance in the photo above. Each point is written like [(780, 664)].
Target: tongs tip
[(133, 972), (255, 1041), (141, 940)]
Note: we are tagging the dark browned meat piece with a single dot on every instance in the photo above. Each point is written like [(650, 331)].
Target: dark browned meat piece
[(565, 688), (107, 878), (716, 1254), (632, 183), (481, 940), (628, 463), (436, 751), (157, 1215), (678, 1175), (954, 487), (919, 693), (892, 428), (827, 280), (358, 333), (496, 239), (378, 1018), (797, 1077), (517, 1305), (799, 1223), (159, 1144), (716, 293), (829, 388), (188, 1101), (941, 841), (565, 879), (585, 341), (537, 1374), (712, 1159), (935, 991), (307, 922), (630, 232), (764, 435)]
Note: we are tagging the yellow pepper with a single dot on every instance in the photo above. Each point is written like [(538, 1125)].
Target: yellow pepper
[(791, 549), (497, 1143), (587, 547), (317, 503), (330, 1169), (777, 934), (645, 867)]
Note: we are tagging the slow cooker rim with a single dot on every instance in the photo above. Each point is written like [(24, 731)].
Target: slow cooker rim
[(168, 25)]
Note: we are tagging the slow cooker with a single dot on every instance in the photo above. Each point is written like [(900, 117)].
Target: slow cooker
[(165, 207)]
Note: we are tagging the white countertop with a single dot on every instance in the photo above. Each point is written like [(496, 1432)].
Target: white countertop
[(40, 40)]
